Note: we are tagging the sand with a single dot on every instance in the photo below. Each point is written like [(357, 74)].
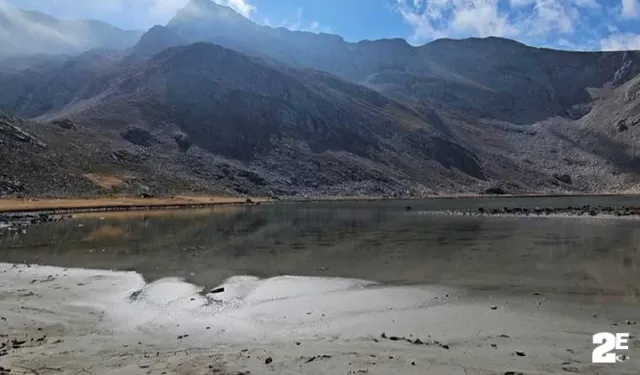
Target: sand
[(103, 322)]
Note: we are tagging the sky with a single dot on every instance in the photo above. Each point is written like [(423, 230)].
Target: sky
[(563, 24)]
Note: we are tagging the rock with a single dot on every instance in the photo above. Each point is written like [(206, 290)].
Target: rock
[(565, 178), (217, 290), (249, 200), (520, 354), (145, 192), (494, 307), (621, 126), (183, 141), (268, 360), (413, 363), (359, 371), (495, 190), (138, 137), (16, 342), (65, 124)]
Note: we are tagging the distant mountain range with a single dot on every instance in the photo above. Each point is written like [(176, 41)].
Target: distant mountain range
[(214, 102), (29, 32)]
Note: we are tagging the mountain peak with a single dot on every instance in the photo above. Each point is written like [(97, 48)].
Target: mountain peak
[(157, 39), (207, 9)]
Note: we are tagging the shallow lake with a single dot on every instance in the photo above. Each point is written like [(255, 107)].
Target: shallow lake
[(379, 241)]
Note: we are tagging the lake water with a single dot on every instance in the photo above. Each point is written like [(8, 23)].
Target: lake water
[(378, 241)]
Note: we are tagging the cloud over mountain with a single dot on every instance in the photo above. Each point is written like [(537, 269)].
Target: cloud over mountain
[(579, 24)]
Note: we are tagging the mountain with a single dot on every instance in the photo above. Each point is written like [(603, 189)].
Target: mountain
[(213, 102), (288, 130), (493, 77), (156, 40), (29, 32)]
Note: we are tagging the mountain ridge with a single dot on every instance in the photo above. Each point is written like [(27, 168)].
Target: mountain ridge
[(213, 102), (26, 32)]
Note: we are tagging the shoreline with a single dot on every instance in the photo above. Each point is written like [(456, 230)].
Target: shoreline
[(87, 205), (62, 206), (89, 321)]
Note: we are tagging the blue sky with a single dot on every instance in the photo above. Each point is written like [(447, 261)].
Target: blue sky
[(566, 24)]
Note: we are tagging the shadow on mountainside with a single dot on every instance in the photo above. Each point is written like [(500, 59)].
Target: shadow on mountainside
[(623, 156)]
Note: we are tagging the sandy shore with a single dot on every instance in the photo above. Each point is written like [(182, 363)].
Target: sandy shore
[(100, 322)]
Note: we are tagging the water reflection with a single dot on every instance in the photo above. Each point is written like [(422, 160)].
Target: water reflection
[(371, 241)]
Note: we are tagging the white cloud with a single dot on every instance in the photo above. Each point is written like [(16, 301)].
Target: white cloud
[(621, 42), (483, 19), (630, 8), (70, 37), (297, 23), (523, 19), (588, 4), (552, 16), (438, 18), (152, 11), (243, 7), (165, 9)]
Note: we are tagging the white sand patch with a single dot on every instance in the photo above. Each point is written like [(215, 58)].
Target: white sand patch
[(114, 322)]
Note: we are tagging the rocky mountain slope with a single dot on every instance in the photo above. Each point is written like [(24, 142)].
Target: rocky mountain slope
[(213, 102), (29, 32), (493, 77)]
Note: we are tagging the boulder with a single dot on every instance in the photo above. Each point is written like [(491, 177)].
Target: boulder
[(138, 137)]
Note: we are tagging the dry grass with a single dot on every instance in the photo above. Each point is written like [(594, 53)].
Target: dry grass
[(125, 215), (105, 181), (16, 205)]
